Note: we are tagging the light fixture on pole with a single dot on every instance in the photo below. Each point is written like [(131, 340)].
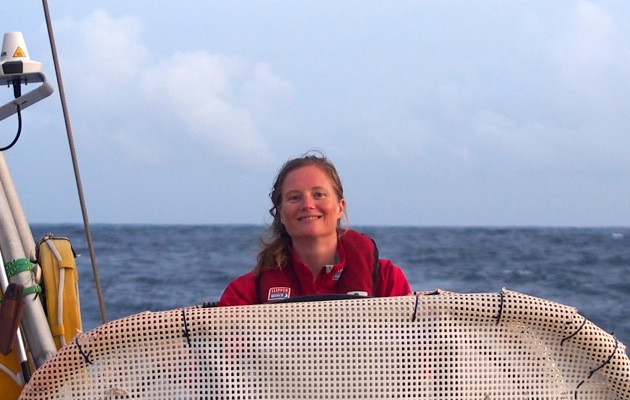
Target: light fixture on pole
[(17, 69)]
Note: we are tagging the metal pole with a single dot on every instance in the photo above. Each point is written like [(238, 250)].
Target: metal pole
[(75, 164), (34, 321), (24, 230)]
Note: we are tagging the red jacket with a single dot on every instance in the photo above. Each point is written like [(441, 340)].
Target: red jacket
[(358, 257)]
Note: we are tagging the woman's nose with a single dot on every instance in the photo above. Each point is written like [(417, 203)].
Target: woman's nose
[(308, 202)]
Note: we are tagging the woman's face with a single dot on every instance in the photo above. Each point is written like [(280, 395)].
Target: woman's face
[(310, 207)]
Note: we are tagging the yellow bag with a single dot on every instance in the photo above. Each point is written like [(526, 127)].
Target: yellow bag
[(60, 282)]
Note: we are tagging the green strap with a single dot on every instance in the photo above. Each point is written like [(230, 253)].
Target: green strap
[(18, 265), (29, 290)]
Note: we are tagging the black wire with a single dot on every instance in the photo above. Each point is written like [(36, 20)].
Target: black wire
[(500, 315), (415, 309), (574, 333), (86, 356), (17, 93), (186, 331)]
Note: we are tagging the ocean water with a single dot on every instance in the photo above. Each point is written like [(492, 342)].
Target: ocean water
[(159, 267)]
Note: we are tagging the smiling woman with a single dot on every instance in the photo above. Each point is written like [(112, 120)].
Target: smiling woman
[(309, 252), (311, 211)]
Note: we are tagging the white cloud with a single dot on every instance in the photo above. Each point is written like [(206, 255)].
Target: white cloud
[(218, 101), (594, 30), (102, 52), (141, 104), (504, 141), (590, 49)]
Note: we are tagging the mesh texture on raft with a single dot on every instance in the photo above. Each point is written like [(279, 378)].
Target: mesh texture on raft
[(458, 346)]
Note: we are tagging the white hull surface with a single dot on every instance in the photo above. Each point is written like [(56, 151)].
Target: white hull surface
[(462, 346)]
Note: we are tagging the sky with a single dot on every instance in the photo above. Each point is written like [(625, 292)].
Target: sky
[(436, 113)]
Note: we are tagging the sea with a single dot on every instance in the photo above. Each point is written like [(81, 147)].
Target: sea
[(160, 267)]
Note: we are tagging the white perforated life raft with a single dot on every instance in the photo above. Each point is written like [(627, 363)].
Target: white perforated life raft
[(462, 346)]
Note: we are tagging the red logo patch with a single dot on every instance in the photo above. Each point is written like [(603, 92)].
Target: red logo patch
[(279, 293)]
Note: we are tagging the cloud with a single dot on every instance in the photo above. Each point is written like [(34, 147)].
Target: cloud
[(591, 52), (145, 105), (100, 51), (508, 142), (588, 44), (559, 92)]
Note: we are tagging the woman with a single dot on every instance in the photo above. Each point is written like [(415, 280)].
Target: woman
[(308, 252)]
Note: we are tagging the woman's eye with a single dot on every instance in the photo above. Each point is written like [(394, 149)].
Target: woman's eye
[(293, 197), (320, 195)]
